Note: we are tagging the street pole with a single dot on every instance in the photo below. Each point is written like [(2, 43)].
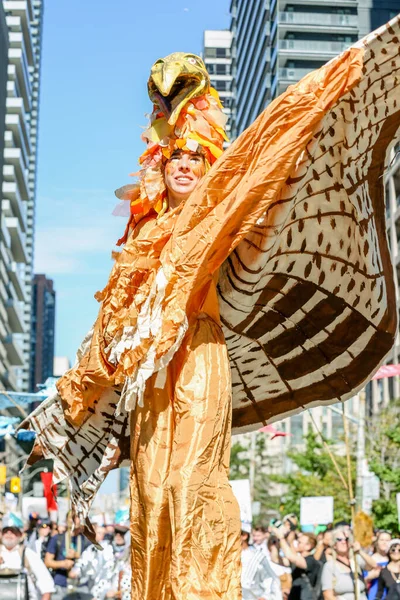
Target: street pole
[(360, 456)]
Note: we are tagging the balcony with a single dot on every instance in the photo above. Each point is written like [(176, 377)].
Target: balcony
[(11, 192), (10, 380), (15, 316), (318, 21), (292, 75), (13, 157), (17, 58), (316, 49), (14, 351), (19, 128), (16, 278), (339, 3), (17, 27), (17, 239)]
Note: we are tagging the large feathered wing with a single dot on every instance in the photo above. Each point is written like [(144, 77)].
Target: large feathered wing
[(307, 298)]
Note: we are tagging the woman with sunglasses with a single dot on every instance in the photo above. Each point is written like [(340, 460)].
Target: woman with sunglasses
[(380, 555), (389, 578), (342, 572)]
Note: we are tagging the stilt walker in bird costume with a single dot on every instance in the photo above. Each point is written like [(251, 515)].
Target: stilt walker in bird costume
[(260, 277)]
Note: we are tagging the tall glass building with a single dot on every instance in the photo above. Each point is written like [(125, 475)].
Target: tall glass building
[(276, 42)]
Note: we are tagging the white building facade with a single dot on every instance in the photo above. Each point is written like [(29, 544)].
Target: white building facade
[(24, 22), (218, 60)]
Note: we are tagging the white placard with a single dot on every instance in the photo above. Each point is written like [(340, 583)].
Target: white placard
[(31, 504), (316, 510), (241, 489)]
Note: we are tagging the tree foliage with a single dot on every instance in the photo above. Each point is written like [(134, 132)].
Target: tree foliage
[(240, 469), (315, 475), (383, 451)]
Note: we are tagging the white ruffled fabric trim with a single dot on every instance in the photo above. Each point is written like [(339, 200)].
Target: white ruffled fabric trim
[(149, 324)]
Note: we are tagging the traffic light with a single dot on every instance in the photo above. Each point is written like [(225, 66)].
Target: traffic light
[(3, 474), (15, 485)]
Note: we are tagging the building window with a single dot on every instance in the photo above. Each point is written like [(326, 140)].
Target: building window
[(217, 52), (223, 52), (222, 69), (221, 86)]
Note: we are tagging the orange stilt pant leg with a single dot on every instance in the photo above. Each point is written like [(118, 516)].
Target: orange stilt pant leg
[(185, 522)]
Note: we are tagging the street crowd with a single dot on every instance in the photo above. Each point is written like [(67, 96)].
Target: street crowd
[(46, 562), (279, 562)]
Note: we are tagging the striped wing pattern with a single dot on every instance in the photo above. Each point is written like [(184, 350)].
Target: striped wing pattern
[(82, 455), (307, 299)]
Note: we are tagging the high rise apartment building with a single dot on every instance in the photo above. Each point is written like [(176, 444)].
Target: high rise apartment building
[(24, 23), (274, 44), (217, 58), (42, 331), (3, 84)]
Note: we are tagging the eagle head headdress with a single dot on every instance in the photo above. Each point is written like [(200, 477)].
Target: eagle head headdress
[(187, 115)]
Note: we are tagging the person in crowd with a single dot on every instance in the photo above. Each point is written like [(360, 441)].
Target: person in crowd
[(31, 532), (280, 566), (109, 535), (121, 540), (344, 570), (260, 536), (43, 538), (323, 550), (380, 555), (305, 568), (93, 571), (14, 555), (62, 551), (389, 577), (121, 577), (259, 581)]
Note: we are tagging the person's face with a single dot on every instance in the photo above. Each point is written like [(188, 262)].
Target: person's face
[(382, 543), (44, 531), (183, 172), (258, 537), (303, 544), (10, 539), (394, 552), (119, 539), (327, 539), (244, 537), (77, 526), (341, 542), (100, 533)]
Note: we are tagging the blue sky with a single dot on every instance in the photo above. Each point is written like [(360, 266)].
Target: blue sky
[(96, 60)]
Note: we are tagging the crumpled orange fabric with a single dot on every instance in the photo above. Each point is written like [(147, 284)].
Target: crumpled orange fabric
[(190, 243)]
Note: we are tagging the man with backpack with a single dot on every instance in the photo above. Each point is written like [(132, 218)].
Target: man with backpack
[(23, 575), (61, 553)]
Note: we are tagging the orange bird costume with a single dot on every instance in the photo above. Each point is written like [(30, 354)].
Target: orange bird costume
[(271, 288)]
